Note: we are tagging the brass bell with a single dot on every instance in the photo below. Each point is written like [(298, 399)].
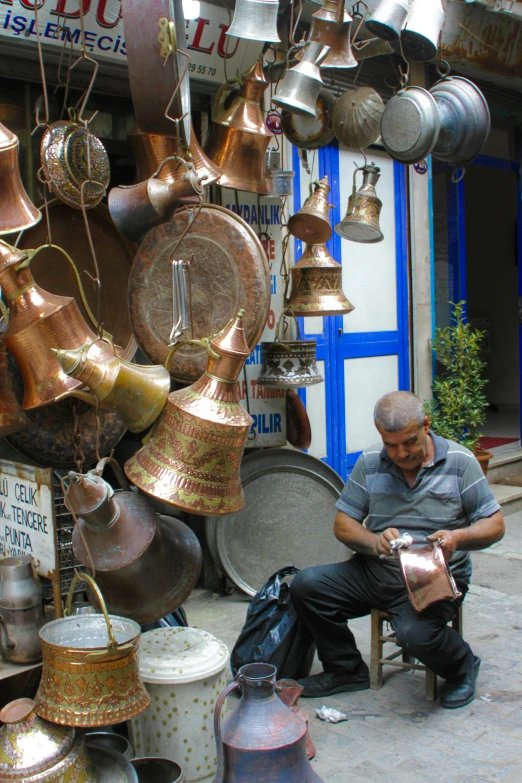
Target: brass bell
[(312, 223), (192, 459), (18, 211), (255, 20), (302, 83), (317, 285), (331, 26), (238, 136), (137, 393), (361, 222), (12, 417), (151, 150)]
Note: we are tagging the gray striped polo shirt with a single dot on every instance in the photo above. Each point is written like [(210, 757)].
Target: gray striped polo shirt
[(451, 492)]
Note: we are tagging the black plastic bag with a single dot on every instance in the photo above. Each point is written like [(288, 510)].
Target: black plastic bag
[(274, 633)]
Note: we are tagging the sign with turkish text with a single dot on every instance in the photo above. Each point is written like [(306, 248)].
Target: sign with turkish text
[(27, 515), (59, 25)]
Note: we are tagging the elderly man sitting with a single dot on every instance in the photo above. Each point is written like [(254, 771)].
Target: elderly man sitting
[(416, 483)]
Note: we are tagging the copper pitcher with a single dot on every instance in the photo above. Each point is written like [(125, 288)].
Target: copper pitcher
[(238, 136), (146, 565), (262, 741), (331, 26), (137, 393), (18, 211), (38, 322), (361, 222), (317, 285), (192, 459), (312, 222)]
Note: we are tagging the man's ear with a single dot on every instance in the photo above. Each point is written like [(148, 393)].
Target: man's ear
[(426, 424)]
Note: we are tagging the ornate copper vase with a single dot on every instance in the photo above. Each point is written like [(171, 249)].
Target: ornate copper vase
[(18, 211), (317, 285), (146, 565), (312, 222), (40, 321), (192, 459), (238, 136), (262, 741)]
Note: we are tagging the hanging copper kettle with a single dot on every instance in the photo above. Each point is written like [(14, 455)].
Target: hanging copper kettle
[(18, 211), (192, 459), (39, 321), (238, 136), (317, 285), (146, 564), (262, 741), (331, 26), (312, 222), (361, 222), (136, 392)]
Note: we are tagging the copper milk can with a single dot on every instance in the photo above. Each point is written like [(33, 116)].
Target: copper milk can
[(146, 565), (21, 611), (262, 741), (40, 321), (192, 459)]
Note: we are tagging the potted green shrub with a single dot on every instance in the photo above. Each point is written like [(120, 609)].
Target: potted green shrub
[(459, 404)]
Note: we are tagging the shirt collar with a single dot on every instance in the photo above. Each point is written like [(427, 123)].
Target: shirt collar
[(440, 446)]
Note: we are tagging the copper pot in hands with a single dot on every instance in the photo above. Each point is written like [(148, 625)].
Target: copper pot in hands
[(192, 459), (146, 565), (426, 574)]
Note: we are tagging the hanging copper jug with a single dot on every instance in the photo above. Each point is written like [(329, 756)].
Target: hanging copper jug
[(151, 150), (255, 20), (12, 417), (361, 222), (136, 392), (317, 280), (331, 26), (39, 321), (312, 222), (262, 741), (18, 211), (302, 83), (192, 459), (146, 564), (238, 136)]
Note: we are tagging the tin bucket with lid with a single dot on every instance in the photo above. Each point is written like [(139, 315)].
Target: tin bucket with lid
[(184, 671)]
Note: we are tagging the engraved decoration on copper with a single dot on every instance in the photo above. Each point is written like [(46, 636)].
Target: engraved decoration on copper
[(289, 364), (361, 222), (193, 457), (317, 280)]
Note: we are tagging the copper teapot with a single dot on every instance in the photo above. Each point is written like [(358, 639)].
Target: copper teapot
[(192, 459), (146, 565)]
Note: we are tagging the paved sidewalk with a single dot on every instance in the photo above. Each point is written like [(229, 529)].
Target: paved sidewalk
[(394, 734)]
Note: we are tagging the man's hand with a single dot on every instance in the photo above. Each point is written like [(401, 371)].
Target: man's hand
[(448, 541), (383, 543)]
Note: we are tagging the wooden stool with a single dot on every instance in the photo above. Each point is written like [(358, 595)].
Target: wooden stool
[(378, 640)]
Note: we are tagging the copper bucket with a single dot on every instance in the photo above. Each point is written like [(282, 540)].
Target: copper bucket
[(289, 364), (90, 674)]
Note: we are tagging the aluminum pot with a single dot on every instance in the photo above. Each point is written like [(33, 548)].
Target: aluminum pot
[(90, 673), (110, 741), (410, 125), (465, 121), (158, 771), (21, 611)]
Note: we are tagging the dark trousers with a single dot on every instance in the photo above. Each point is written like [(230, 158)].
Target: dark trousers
[(327, 596)]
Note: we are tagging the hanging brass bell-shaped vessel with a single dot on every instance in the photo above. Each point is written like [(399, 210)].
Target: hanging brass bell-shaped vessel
[(361, 222), (12, 417), (137, 393), (312, 223), (331, 26), (192, 459), (255, 20), (238, 136), (18, 211), (146, 565), (317, 285), (302, 83), (40, 321)]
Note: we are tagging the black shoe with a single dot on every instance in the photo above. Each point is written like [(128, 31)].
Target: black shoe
[(459, 692), (328, 683)]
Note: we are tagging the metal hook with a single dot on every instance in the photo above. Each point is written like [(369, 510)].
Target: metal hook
[(45, 123)]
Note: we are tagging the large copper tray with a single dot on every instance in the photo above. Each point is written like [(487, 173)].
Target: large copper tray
[(228, 270), (114, 254)]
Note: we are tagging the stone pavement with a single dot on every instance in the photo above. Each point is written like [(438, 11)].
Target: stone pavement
[(394, 734)]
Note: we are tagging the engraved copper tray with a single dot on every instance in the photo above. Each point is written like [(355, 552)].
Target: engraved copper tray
[(427, 577), (228, 270), (114, 254)]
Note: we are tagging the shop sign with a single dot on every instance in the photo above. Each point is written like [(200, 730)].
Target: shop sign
[(266, 405), (27, 524), (59, 26)]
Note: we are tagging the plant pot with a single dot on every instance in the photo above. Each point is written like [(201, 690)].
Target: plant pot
[(484, 458)]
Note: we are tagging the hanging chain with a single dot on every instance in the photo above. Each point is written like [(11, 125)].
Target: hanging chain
[(79, 457)]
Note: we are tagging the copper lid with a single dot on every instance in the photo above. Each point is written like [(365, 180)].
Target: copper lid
[(232, 340), (7, 138)]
